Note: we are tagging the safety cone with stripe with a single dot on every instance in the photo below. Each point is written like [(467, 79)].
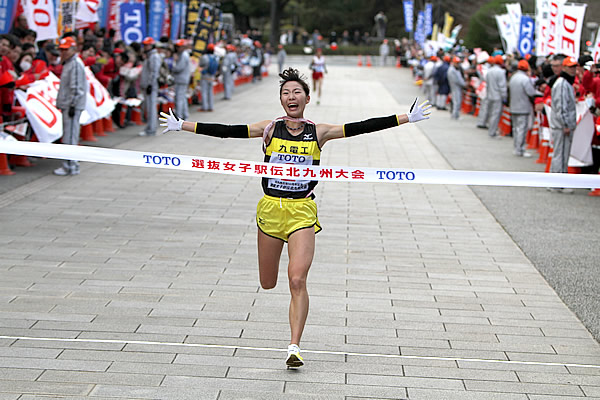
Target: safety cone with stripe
[(108, 124), (477, 107), (398, 64), (136, 116), (98, 126), (4, 168), (86, 133), (369, 64), (544, 148), (505, 123), (360, 64)]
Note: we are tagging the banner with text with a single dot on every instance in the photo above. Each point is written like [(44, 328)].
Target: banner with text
[(41, 18), (409, 10), (542, 21), (133, 22), (526, 35), (571, 24)]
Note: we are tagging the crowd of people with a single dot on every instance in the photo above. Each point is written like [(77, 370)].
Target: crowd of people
[(543, 88), (155, 71)]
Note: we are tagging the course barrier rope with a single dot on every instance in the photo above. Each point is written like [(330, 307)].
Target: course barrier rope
[(284, 170)]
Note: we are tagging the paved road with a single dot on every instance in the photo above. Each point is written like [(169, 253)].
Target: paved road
[(141, 284)]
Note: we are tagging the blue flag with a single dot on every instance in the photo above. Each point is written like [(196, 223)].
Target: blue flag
[(133, 22), (7, 17), (176, 19), (428, 19), (156, 18), (420, 32), (526, 35), (408, 15), (102, 13)]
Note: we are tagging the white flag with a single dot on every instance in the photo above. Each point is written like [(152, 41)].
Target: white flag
[(571, 23), (553, 40), (596, 50), (88, 11), (542, 21), (514, 10), (41, 18), (507, 33)]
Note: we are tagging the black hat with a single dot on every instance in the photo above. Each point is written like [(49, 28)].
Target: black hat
[(51, 48)]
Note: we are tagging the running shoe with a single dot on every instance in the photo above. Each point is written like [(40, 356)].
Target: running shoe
[(294, 360)]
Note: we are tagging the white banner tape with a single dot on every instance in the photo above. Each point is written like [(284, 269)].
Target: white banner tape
[(297, 172)]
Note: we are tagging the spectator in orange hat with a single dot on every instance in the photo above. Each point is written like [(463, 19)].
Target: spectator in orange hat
[(441, 79), (209, 64), (256, 61), (149, 85), (563, 117), (497, 94), (70, 100), (457, 83), (181, 73), (522, 93), (230, 66)]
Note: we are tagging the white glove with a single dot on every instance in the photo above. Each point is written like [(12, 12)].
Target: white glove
[(171, 122), (419, 112)]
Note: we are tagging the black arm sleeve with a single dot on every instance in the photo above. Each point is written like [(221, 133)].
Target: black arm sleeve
[(223, 131), (370, 125)]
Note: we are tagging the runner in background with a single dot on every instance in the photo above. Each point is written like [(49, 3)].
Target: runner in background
[(287, 212), (317, 65)]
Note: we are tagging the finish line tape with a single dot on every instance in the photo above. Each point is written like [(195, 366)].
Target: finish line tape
[(286, 172), (343, 353)]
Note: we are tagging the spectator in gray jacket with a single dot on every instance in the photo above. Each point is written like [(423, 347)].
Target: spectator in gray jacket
[(181, 74), (149, 84), (521, 108), (209, 64), (496, 94), (230, 65), (457, 84), (70, 100), (563, 117)]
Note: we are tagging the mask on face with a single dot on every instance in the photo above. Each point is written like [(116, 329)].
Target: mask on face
[(25, 65)]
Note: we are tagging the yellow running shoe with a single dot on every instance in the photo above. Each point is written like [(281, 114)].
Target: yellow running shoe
[(294, 360)]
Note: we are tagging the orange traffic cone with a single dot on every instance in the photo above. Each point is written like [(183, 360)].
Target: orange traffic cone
[(20, 161), (549, 160), (4, 168), (544, 149), (86, 133), (359, 61), (369, 61), (398, 65), (573, 170), (477, 107), (108, 124), (98, 127), (505, 122), (136, 116)]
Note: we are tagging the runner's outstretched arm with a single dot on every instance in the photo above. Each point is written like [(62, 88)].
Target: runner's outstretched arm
[(173, 123), (418, 112)]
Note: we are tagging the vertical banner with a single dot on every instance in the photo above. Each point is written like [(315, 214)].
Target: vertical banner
[(542, 20), (133, 22), (191, 20), (408, 15), (41, 18), (176, 12), (7, 14), (103, 13), (596, 49), (156, 18), (448, 21), (428, 19), (571, 24), (204, 29), (434, 33), (114, 17), (166, 28), (420, 31), (553, 42), (507, 33), (514, 10), (526, 35)]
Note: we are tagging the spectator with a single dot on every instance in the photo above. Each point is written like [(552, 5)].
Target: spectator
[(181, 74), (70, 100), (230, 66), (457, 84), (281, 56), (497, 93), (30, 37), (384, 52), (441, 79), (563, 118), (380, 24), (428, 70), (20, 27), (209, 65), (28, 48), (256, 61), (521, 110), (149, 84)]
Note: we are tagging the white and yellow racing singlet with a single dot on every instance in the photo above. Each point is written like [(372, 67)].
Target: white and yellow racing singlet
[(300, 149)]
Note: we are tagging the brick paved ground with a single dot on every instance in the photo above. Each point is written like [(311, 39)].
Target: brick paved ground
[(420, 278)]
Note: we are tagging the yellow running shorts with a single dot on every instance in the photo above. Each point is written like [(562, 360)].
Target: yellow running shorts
[(280, 217)]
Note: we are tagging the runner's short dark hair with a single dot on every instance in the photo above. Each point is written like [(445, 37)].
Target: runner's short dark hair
[(292, 75)]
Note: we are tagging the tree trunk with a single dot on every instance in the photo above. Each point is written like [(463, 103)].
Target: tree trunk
[(275, 20)]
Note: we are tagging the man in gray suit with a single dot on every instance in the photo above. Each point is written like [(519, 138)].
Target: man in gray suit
[(149, 85), (521, 108), (71, 98)]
